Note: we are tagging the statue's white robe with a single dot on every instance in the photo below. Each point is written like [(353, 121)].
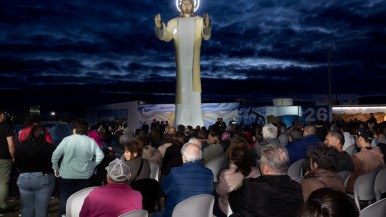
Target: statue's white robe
[(187, 33)]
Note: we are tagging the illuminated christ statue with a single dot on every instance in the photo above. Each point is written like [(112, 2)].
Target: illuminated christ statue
[(187, 31)]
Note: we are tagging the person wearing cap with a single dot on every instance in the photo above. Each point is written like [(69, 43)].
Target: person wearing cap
[(366, 160), (115, 198), (7, 155), (187, 180)]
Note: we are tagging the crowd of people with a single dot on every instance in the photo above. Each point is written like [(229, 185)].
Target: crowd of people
[(253, 180)]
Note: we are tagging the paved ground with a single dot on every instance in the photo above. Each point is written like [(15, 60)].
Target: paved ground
[(53, 208)]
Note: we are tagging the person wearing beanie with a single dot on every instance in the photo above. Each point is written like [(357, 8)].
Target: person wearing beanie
[(115, 198)]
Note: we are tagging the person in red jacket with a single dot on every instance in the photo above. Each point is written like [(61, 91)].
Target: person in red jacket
[(32, 120)]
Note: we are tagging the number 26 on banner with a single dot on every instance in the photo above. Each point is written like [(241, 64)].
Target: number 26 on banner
[(318, 113)]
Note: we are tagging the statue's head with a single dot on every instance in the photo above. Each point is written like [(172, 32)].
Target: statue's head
[(187, 7)]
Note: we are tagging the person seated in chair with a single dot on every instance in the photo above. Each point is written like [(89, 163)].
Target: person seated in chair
[(273, 193), (188, 180), (366, 160), (115, 198), (323, 173)]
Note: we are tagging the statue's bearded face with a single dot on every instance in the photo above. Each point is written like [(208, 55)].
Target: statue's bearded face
[(187, 7)]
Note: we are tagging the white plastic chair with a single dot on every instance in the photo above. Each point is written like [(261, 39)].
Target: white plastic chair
[(135, 213), (200, 205), (154, 171), (351, 149), (364, 187), (76, 200), (215, 166), (345, 175), (380, 184), (295, 169), (229, 211), (377, 209), (298, 179)]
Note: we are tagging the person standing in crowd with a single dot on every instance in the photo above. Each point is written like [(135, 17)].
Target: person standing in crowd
[(61, 130), (36, 180), (32, 120), (81, 154), (7, 155), (115, 198)]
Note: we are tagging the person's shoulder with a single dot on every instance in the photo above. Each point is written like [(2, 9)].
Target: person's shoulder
[(146, 162), (259, 179), (198, 18), (254, 173), (173, 21), (344, 155)]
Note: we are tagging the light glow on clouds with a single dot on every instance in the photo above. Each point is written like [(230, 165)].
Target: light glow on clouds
[(113, 43)]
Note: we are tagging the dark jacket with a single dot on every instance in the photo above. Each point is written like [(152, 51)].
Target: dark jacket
[(345, 162), (186, 181), (296, 150), (267, 196), (311, 140)]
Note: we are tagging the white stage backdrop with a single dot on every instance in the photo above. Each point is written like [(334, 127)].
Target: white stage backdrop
[(210, 112)]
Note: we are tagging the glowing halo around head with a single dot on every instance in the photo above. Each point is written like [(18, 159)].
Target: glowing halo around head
[(196, 4)]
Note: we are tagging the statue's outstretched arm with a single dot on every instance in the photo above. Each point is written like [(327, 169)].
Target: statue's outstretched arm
[(207, 27), (161, 31)]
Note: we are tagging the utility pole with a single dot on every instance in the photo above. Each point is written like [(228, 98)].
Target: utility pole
[(329, 76)]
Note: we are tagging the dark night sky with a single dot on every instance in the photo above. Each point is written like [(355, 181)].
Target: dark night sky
[(76, 53)]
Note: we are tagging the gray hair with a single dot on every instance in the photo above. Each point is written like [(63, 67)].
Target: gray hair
[(339, 136), (269, 131), (191, 152), (195, 141), (276, 157)]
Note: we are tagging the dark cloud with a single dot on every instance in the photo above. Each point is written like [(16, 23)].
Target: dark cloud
[(258, 49)]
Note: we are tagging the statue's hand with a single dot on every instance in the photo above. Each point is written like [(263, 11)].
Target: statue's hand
[(158, 21), (206, 20)]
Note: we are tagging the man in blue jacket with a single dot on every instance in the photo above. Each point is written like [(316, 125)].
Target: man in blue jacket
[(188, 180)]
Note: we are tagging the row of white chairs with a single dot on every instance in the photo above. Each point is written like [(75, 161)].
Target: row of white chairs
[(199, 205), (370, 186)]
